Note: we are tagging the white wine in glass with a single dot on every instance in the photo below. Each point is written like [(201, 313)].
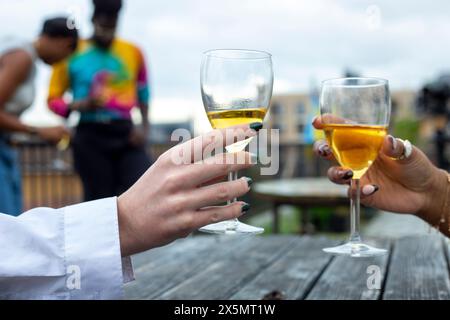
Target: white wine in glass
[(355, 113), (229, 118), (236, 88), (355, 146)]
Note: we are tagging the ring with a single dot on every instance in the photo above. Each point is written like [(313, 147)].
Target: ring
[(407, 149)]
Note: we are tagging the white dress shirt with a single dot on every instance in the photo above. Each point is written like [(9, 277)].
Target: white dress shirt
[(67, 253)]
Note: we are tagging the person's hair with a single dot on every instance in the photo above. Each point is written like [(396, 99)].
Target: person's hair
[(60, 27), (109, 8)]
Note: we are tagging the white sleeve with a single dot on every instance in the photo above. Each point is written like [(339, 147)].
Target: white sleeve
[(67, 253)]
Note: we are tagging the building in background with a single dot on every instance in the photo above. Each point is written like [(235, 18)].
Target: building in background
[(292, 115), (160, 133), (403, 104)]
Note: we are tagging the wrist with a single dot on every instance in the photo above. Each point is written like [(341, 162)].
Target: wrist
[(32, 130), (125, 228), (436, 199), (145, 132), (75, 106)]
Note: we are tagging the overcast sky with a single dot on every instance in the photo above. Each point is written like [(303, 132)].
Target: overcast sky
[(404, 41)]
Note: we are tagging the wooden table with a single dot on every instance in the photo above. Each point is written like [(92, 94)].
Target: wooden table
[(289, 267), (303, 193)]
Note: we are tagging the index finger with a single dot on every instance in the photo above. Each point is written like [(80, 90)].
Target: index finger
[(217, 166), (219, 138), (319, 121)]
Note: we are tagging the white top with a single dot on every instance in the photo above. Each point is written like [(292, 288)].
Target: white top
[(67, 253), (25, 93)]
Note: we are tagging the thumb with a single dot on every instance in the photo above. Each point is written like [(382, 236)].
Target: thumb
[(395, 148), (317, 123)]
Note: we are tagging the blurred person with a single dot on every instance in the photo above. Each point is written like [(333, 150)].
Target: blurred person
[(402, 180), (17, 92), (434, 104), (82, 251), (107, 77)]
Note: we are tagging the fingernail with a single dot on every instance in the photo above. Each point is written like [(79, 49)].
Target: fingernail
[(256, 126), (324, 150), (393, 142), (370, 189), (245, 207), (314, 120), (249, 181), (347, 174)]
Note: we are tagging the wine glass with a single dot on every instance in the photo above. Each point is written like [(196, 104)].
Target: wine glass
[(236, 87), (355, 113), (61, 148)]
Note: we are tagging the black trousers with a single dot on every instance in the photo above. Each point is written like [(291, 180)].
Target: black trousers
[(105, 160)]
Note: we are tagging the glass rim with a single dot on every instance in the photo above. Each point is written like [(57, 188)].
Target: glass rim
[(336, 82), (215, 53)]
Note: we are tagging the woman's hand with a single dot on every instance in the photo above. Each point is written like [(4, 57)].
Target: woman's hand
[(87, 104), (52, 134), (171, 200), (412, 185), (138, 137)]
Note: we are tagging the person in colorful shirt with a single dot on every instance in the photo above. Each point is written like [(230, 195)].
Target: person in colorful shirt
[(107, 77)]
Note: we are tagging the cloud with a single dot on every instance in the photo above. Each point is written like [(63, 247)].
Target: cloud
[(308, 39)]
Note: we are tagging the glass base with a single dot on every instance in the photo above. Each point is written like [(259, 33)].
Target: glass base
[(356, 250), (231, 227)]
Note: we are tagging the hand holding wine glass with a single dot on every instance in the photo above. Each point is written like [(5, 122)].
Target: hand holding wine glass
[(412, 185), (174, 198), (52, 134), (355, 115)]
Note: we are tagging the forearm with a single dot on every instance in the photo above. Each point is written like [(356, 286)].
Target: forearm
[(11, 123), (143, 107), (126, 246), (437, 209)]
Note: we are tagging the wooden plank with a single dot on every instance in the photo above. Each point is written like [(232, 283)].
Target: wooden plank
[(418, 270), (292, 275), (178, 263), (225, 273), (145, 259), (346, 278)]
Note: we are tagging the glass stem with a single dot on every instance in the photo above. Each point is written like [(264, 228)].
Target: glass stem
[(231, 178), (354, 212), (233, 222), (235, 177)]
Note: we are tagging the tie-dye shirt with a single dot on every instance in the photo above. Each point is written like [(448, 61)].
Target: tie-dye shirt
[(117, 77)]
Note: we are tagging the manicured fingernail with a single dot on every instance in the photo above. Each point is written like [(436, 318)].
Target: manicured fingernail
[(256, 126), (249, 181), (245, 207), (370, 189), (324, 150), (393, 142), (347, 174)]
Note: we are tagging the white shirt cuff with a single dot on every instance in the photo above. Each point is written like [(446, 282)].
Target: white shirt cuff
[(92, 249), (127, 270)]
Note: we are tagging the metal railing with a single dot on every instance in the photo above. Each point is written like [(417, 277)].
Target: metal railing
[(48, 175), (49, 178)]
